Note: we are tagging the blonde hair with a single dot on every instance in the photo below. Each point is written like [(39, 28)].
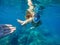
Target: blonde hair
[(28, 15)]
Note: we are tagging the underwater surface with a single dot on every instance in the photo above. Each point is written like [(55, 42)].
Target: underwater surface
[(48, 33)]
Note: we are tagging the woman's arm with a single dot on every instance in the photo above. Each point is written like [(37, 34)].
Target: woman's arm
[(25, 22), (31, 7)]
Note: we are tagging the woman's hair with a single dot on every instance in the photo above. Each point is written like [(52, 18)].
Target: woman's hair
[(28, 15)]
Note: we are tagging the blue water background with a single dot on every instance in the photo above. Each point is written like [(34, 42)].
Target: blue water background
[(50, 27)]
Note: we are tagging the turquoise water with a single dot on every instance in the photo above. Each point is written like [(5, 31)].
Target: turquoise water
[(48, 33)]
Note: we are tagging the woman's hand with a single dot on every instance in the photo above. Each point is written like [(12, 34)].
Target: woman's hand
[(6, 29)]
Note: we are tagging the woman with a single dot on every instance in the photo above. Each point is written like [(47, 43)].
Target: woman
[(33, 14), (30, 14)]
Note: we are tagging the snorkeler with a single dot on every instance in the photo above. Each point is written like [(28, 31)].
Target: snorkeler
[(30, 14), (33, 14), (6, 29)]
